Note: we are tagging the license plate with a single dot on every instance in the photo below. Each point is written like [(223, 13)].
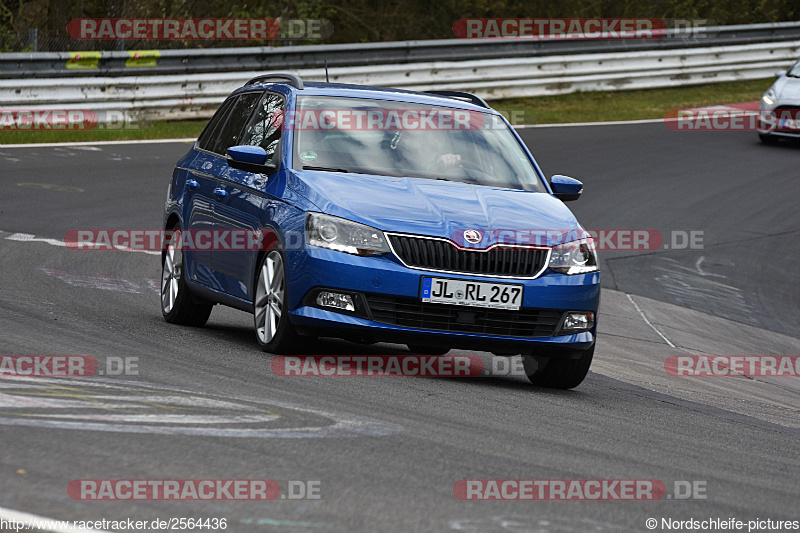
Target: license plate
[(471, 293)]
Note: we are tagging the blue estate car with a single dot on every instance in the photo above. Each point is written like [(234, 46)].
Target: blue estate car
[(398, 216)]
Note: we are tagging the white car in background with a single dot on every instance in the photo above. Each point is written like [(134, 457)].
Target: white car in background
[(781, 102)]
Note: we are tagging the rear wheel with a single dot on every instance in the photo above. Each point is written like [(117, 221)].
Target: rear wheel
[(274, 331), (177, 305), (558, 372)]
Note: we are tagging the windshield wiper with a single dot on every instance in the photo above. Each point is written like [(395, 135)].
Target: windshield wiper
[(327, 169)]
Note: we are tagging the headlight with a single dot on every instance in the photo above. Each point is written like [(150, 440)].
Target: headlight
[(343, 235), (576, 257), (769, 97)]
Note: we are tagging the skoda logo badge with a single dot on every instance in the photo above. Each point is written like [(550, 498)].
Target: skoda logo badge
[(472, 236)]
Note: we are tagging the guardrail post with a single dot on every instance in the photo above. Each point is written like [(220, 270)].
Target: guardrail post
[(33, 39)]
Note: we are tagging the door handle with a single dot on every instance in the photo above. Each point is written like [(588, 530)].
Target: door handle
[(220, 193), (192, 184)]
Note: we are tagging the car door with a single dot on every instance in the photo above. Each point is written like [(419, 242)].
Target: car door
[(248, 204), (212, 169), (198, 211)]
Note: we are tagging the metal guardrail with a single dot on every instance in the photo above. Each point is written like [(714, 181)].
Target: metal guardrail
[(119, 63), (198, 95)]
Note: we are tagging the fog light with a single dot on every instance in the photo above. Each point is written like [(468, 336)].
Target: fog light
[(577, 321), (336, 300)]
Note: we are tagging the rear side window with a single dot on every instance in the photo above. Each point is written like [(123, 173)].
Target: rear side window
[(207, 137), (230, 130), (266, 126)]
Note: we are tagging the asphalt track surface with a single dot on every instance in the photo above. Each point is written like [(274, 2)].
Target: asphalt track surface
[(388, 451)]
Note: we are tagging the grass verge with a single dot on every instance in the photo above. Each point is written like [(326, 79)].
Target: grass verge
[(640, 104), (148, 130)]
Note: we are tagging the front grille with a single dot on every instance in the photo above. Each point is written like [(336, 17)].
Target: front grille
[(435, 254), (413, 313), (787, 111)]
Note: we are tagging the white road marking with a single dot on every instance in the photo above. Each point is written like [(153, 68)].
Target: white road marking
[(100, 143), (154, 284), (165, 419), (172, 411), (538, 525), (699, 268), (733, 111), (581, 124), (696, 288), (648, 322), (609, 123), (94, 282), (27, 237), (10, 515), (184, 401)]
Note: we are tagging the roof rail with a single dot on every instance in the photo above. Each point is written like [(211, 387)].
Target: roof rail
[(461, 95), (293, 79)]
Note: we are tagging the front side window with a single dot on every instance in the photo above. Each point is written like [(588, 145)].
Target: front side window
[(266, 126), (229, 132), (207, 138)]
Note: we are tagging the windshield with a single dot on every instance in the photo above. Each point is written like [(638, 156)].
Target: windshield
[(794, 71), (401, 139)]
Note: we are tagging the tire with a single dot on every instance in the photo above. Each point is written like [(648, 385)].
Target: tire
[(768, 139), (421, 349), (274, 332), (177, 304), (557, 372)]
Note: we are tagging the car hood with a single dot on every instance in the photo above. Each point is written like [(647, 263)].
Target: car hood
[(434, 207), (787, 90)]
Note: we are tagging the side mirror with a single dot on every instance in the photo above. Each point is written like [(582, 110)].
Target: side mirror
[(779, 73), (566, 188), (250, 159)]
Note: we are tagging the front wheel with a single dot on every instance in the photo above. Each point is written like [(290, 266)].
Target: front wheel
[(274, 331), (177, 305), (768, 139), (557, 372)]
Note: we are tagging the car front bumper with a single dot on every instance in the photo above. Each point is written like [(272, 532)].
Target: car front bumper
[(384, 281)]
